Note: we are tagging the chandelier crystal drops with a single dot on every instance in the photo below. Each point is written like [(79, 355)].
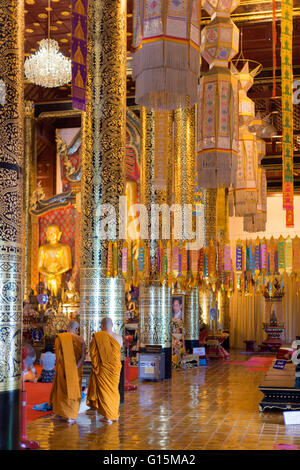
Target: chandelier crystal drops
[(48, 67)]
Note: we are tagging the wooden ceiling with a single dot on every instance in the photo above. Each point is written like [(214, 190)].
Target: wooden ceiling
[(253, 18)]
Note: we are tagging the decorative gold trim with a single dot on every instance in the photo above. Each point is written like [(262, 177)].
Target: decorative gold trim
[(59, 114), (253, 16)]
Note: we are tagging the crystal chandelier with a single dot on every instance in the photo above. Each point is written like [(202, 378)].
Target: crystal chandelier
[(48, 67)]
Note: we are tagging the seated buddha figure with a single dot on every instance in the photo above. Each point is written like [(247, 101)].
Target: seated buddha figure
[(54, 259)]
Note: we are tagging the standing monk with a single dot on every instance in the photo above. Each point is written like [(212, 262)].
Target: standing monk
[(103, 390), (66, 388)]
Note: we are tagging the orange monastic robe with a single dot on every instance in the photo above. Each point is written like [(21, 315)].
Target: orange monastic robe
[(103, 389), (65, 393)]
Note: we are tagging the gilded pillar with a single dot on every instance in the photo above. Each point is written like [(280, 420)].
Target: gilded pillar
[(184, 186), (223, 237), (29, 187), (11, 198), (155, 300), (103, 151), (209, 299)]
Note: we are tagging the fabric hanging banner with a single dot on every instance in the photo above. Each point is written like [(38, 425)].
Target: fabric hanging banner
[(79, 53), (296, 255), (287, 108)]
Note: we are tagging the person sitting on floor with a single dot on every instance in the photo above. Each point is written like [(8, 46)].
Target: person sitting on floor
[(29, 372), (47, 360)]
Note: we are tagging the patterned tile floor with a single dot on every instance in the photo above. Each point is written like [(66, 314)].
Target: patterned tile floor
[(212, 408)]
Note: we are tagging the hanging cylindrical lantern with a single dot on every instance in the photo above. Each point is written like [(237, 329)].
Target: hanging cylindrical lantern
[(245, 194), (166, 59), (217, 135)]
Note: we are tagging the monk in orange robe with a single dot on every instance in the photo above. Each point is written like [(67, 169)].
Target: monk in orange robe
[(65, 393), (103, 389)]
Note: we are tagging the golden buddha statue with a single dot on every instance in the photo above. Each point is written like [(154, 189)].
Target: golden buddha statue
[(54, 259), (71, 296)]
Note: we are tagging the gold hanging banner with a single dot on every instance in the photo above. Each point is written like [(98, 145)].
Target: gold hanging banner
[(287, 108)]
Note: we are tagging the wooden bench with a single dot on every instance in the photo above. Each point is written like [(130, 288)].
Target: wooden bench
[(279, 389)]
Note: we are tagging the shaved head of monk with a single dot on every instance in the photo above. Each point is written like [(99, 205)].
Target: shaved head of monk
[(73, 326), (106, 324)]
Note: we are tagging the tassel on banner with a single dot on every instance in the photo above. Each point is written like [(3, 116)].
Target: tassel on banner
[(281, 255), (239, 263), (257, 258), (264, 257)]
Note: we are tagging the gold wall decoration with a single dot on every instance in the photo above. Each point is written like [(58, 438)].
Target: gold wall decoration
[(29, 187), (11, 193), (103, 152)]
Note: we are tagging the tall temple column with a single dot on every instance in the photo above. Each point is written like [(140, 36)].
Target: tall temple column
[(208, 299), (11, 196), (103, 152), (155, 299), (29, 187), (223, 236), (184, 178)]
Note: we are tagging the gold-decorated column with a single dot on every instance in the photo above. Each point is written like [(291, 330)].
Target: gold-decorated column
[(208, 300), (156, 178), (29, 187), (103, 152), (223, 238), (11, 197), (184, 185)]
